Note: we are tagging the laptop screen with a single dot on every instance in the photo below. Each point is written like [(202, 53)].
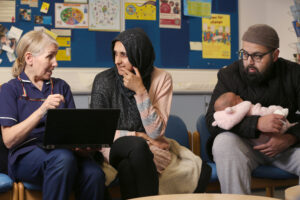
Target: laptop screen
[(80, 127)]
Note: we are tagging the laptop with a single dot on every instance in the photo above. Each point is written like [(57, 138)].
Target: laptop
[(72, 128)]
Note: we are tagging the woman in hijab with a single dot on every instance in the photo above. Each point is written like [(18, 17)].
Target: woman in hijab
[(143, 93)]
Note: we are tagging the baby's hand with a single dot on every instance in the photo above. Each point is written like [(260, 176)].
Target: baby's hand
[(229, 110), (283, 112)]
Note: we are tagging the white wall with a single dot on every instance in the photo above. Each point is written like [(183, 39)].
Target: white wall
[(275, 13)]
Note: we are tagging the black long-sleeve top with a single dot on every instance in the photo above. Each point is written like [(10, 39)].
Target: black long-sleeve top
[(282, 87)]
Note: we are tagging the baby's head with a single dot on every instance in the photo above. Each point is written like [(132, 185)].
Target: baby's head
[(227, 99)]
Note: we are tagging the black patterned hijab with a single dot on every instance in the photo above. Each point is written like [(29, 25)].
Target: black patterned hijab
[(141, 54), (139, 50)]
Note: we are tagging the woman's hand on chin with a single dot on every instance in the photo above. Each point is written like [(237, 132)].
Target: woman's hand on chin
[(133, 81)]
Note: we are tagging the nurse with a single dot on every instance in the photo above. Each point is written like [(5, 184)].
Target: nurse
[(24, 102)]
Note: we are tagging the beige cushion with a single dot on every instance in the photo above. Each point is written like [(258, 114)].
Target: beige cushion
[(292, 193)]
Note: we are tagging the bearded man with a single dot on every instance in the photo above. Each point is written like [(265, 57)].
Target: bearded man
[(260, 76)]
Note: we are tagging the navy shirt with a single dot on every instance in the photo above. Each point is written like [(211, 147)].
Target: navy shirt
[(16, 104)]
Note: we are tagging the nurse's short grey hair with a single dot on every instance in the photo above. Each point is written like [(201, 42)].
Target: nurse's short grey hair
[(34, 42)]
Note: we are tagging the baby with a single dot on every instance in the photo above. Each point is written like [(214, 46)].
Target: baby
[(231, 109)]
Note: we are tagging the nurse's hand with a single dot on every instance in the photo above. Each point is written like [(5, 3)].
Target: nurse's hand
[(52, 102)]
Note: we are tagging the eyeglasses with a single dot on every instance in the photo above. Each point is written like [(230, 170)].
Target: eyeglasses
[(26, 97), (255, 56)]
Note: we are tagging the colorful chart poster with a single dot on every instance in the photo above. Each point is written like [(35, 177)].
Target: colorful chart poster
[(170, 14), (140, 9), (71, 15), (197, 8), (105, 15), (216, 37)]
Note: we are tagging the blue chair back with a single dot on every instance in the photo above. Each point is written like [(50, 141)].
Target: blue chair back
[(176, 129), (204, 135), (6, 183)]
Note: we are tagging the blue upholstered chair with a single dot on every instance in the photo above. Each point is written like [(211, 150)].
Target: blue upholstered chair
[(176, 129), (264, 176), (8, 189)]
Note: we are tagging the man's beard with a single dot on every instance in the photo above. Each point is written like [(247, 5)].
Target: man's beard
[(255, 78)]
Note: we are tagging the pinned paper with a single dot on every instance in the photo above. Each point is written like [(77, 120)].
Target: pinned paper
[(140, 10), (38, 19), (7, 11), (196, 46), (14, 33), (38, 28), (7, 49), (47, 20), (7, 44), (68, 51), (62, 32), (45, 7), (11, 56), (64, 41), (63, 55), (33, 3), (25, 14)]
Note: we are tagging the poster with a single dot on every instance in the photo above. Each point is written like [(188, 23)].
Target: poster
[(71, 15), (64, 41), (63, 54), (31, 3), (75, 1), (24, 14), (170, 14), (197, 8), (216, 37), (8, 41), (140, 9), (45, 7), (105, 15), (7, 11)]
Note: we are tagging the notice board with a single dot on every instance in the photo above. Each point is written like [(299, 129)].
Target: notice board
[(172, 46)]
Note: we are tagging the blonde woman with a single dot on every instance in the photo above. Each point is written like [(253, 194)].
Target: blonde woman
[(24, 102)]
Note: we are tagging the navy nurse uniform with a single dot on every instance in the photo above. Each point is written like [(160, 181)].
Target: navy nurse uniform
[(19, 98)]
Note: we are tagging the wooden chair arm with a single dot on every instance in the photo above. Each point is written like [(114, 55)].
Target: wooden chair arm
[(196, 143)]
